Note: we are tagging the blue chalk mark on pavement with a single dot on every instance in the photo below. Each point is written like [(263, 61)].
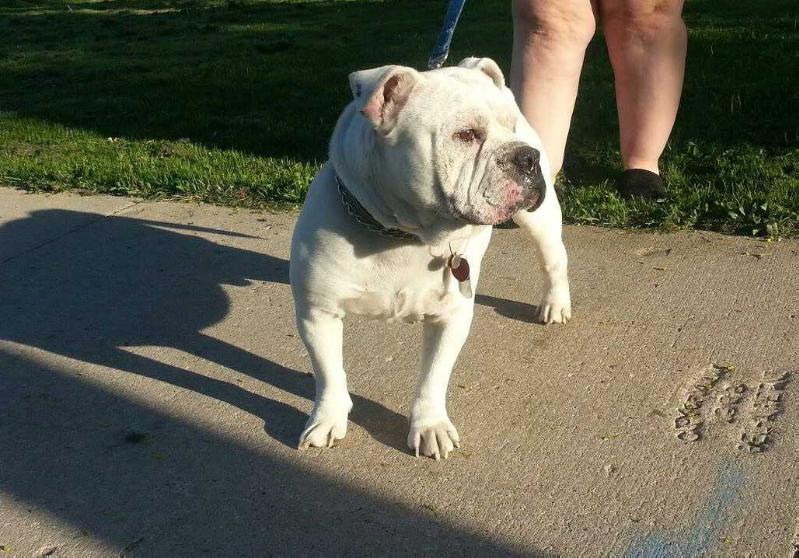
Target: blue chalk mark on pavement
[(704, 534)]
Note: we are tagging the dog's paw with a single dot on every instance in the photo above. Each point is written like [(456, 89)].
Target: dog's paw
[(432, 434), (556, 307), (326, 425)]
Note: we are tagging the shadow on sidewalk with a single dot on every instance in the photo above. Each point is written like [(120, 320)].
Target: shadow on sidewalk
[(512, 309), (130, 282), (66, 444)]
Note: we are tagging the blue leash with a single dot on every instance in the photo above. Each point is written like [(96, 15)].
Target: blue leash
[(441, 50)]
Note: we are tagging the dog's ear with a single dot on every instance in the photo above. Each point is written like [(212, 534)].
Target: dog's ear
[(487, 66), (382, 92)]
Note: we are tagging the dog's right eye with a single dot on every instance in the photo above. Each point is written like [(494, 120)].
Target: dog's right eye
[(468, 136)]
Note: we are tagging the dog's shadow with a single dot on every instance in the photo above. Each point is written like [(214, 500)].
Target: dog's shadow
[(520, 311), (128, 282)]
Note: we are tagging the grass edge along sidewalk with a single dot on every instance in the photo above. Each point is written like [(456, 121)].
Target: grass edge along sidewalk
[(232, 103)]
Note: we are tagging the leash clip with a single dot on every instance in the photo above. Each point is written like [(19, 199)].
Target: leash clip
[(441, 49)]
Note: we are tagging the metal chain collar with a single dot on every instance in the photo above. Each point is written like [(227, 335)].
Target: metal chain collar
[(359, 213)]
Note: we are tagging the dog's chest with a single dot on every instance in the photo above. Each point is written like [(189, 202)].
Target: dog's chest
[(406, 294), (407, 305)]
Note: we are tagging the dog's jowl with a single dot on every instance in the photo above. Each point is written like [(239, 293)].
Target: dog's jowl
[(396, 223)]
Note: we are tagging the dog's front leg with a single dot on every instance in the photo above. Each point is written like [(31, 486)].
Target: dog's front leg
[(322, 333), (545, 228), (431, 431)]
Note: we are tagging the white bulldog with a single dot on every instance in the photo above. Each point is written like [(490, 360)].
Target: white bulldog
[(396, 223)]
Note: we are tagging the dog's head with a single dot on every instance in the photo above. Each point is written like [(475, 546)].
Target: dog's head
[(438, 145)]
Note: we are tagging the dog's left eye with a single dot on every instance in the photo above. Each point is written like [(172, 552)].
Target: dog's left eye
[(468, 136)]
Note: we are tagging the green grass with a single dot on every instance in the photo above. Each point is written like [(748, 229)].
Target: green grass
[(232, 102)]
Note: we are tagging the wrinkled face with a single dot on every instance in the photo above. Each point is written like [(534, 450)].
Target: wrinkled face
[(448, 140), (484, 170)]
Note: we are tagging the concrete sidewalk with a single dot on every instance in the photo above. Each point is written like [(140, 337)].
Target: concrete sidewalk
[(152, 389)]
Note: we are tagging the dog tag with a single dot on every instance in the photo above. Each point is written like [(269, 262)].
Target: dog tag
[(460, 271)]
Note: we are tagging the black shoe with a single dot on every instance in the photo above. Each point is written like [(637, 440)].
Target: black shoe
[(641, 183)]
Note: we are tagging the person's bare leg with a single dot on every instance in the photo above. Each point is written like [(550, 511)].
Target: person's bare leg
[(549, 41), (647, 42)]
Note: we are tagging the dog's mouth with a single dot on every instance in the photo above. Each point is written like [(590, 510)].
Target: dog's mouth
[(466, 217), (499, 205)]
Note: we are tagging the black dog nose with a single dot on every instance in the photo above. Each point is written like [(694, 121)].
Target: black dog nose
[(525, 158)]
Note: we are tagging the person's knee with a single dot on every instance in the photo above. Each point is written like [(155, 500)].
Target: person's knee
[(646, 20), (566, 24)]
